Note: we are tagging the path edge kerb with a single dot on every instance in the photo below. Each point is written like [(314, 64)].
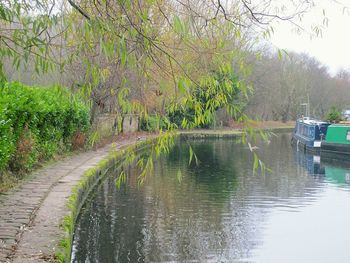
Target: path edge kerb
[(82, 190)]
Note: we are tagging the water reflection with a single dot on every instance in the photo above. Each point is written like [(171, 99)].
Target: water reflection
[(333, 168), (220, 212)]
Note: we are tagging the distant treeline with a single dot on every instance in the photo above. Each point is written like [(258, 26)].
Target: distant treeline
[(282, 85)]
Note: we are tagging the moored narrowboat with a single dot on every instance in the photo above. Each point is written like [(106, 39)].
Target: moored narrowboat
[(309, 133), (337, 139)]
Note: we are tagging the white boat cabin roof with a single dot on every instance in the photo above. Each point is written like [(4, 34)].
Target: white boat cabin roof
[(311, 121)]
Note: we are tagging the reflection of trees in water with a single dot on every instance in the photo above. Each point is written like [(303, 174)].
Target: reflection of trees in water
[(110, 227), (215, 214), (287, 180), (216, 170), (186, 221), (209, 215)]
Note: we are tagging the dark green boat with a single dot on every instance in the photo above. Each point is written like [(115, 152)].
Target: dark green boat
[(337, 139)]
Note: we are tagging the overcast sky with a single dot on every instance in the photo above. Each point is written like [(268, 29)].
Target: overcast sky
[(333, 47)]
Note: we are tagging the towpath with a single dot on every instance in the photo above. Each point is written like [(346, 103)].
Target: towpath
[(30, 215)]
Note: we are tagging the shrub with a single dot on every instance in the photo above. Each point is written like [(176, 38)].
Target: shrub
[(153, 123), (220, 89), (25, 154), (334, 115), (78, 140), (36, 123)]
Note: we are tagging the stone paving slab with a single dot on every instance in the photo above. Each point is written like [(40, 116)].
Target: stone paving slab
[(30, 215)]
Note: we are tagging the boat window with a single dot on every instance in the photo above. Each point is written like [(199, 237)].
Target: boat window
[(311, 132), (348, 135)]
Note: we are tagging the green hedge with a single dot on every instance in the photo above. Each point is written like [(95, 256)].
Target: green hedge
[(36, 123)]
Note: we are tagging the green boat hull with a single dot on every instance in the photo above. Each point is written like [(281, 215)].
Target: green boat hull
[(337, 140)]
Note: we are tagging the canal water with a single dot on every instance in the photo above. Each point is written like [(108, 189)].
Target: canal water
[(220, 211)]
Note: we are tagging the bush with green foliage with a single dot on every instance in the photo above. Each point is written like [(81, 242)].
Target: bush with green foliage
[(153, 123), (334, 115), (36, 123), (220, 89)]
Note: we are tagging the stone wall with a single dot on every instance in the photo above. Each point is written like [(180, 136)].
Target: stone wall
[(130, 123), (106, 125)]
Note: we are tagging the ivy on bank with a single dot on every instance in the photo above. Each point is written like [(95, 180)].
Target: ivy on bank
[(36, 123)]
